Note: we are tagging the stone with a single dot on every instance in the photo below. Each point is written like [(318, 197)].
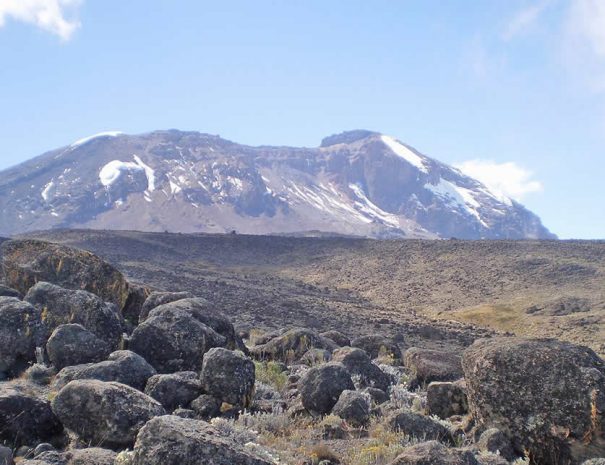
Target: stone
[(354, 408), (73, 344), (27, 262), (446, 399), (174, 390), (171, 440), (321, 386), (61, 306), (106, 414), (547, 396), (357, 362), (428, 365), (229, 376), (122, 366), (25, 417)]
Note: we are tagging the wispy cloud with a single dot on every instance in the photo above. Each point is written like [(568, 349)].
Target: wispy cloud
[(506, 178), (524, 19), (584, 42), (49, 15)]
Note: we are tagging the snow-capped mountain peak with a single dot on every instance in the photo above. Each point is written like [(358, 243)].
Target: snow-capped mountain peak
[(357, 182)]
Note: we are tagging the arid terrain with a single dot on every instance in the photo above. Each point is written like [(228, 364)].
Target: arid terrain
[(530, 288)]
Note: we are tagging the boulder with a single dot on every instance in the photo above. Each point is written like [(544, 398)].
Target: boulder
[(122, 366), (155, 299), (171, 440), (419, 427), (174, 390), (358, 363), (104, 414), (61, 306), (228, 376), (428, 365), (21, 331), (6, 456), (354, 408), (9, 292), (446, 399), (547, 396), (378, 346), (174, 341), (206, 406), (204, 312), (321, 386), (337, 337), (27, 262), (292, 345), (25, 416), (91, 456), (314, 357), (378, 396), (434, 453), (495, 441), (74, 345)]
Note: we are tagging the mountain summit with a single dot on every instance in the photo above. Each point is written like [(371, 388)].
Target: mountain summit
[(356, 183)]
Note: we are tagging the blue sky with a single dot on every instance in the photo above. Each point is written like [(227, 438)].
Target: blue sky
[(511, 90)]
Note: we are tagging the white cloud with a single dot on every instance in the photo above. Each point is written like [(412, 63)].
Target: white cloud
[(587, 23), (524, 19), (584, 42), (49, 15), (507, 178)]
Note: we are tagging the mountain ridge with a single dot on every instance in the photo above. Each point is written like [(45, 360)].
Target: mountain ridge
[(355, 183)]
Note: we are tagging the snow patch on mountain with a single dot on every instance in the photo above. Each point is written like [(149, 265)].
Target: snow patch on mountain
[(459, 196), (402, 151), (369, 208), (85, 140), (113, 171), (149, 172), (48, 190)]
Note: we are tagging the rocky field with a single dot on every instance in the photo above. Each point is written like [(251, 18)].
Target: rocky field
[(102, 368), (414, 287)]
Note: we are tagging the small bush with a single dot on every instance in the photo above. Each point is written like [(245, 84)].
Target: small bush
[(271, 373)]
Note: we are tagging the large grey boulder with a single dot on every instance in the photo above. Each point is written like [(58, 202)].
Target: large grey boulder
[(173, 340), (104, 414), (157, 298), (6, 291), (354, 408), (378, 346), (229, 376), (548, 396), (21, 331), (61, 306), (428, 365), (25, 416), (204, 312), (495, 441), (321, 386), (446, 399), (419, 427), (171, 440), (174, 390), (434, 453), (359, 363), (292, 345), (27, 262), (122, 366), (73, 344)]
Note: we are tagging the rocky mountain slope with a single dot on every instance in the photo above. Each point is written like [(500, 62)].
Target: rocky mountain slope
[(356, 183), (414, 287), (98, 370)]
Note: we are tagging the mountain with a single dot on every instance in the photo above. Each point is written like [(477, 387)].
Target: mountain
[(359, 183)]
